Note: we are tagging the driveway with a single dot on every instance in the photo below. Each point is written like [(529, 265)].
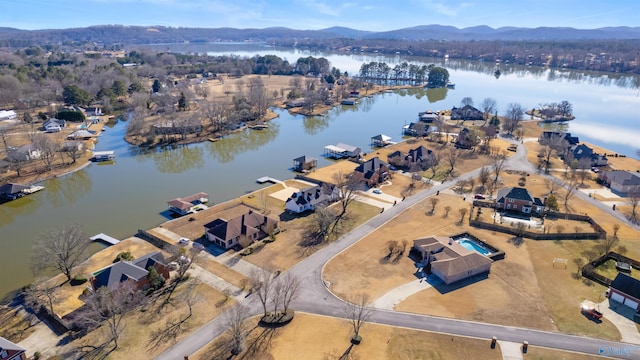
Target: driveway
[(395, 296)]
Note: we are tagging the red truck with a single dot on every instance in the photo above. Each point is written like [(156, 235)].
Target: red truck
[(591, 312)]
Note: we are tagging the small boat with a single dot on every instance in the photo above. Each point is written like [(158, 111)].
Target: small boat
[(451, 85), (259, 126)]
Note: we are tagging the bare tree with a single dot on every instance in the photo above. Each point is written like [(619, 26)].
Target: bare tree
[(73, 150), (551, 185), (633, 199), (607, 244), (322, 219), (497, 166), (286, 290), (263, 285), (452, 156), (347, 188), (60, 249), (579, 263), (434, 202), (463, 212), (489, 106), (446, 210), (110, 307), (48, 150), (357, 313), (569, 192), (483, 177), (616, 228), (41, 291), (513, 116), (236, 329)]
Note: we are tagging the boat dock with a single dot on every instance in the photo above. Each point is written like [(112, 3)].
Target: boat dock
[(105, 238), (266, 179), (104, 156)]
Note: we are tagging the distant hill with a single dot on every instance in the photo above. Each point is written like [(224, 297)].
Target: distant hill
[(109, 34)]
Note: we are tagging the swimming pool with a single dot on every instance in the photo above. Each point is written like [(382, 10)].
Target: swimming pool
[(469, 244)]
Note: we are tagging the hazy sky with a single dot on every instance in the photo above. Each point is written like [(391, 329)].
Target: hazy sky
[(375, 15)]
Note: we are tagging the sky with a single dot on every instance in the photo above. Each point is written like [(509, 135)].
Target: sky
[(371, 15)]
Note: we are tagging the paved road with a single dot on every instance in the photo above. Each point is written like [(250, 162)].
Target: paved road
[(316, 299)]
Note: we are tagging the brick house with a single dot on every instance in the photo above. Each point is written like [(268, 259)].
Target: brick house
[(11, 351), (240, 231), (517, 199), (625, 290), (136, 271), (372, 172), (621, 182)]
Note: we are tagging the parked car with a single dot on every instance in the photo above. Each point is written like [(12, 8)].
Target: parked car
[(184, 241), (513, 148), (479, 196), (591, 312), (377, 191), (595, 169)]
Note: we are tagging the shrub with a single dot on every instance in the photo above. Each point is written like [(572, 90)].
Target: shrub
[(125, 255), (247, 251), (78, 280)]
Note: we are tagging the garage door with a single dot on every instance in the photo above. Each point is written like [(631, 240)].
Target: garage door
[(617, 297), (630, 303)]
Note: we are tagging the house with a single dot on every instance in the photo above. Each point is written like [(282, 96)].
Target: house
[(187, 126), (415, 160), (304, 163), (307, 199), (8, 115), (625, 290), (12, 191), (240, 231), (53, 125), (449, 260), (416, 129), (621, 182), (582, 151), (372, 172), (518, 199), (136, 271), (466, 112), (465, 139), (25, 153), (299, 102), (11, 351), (380, 140), (428, 116), (81, 134), (342, 150), (72, 146), (548, 136), (189, 204), (93, 111)]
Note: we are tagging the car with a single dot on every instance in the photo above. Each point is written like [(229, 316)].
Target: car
[(479, 197), (197, 245), (377, 191), (512, 148), (173, 265), (595, 169), (184, 241)]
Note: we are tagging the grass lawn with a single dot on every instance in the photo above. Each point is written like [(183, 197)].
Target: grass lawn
[(286, 251), (13, 325), (608, 269), (143, 337), (67, 295), (317, 337), (540, 353)]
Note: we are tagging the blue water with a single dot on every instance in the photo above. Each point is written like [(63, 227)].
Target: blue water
[(473, 246)]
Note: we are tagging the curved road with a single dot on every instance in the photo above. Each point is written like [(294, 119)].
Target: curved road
[(315, 298)]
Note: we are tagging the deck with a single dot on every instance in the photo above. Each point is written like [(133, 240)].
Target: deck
[(266, 179), (105, 238)]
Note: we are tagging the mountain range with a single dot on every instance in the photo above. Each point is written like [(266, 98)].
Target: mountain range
[(160, 34)]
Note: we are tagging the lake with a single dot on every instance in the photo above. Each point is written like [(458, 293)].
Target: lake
[(131, 194)]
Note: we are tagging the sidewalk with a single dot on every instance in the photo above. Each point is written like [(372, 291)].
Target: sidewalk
[(510, 350)]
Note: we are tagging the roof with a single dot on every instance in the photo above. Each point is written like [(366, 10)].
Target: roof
[(186, 203), (305, 159), (244, 224), (460, 264), (419, 153), (623, 177), (11, 348), (12, 188), (571, 140), (349, 148), (81, 134), (626, 284), (516, 193), (371, 166), (121, 271), (7, 114), (381, 137), (53, 121)]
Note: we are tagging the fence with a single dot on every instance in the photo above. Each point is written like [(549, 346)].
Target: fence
[(533, 235), (157, 242), (589, 270)]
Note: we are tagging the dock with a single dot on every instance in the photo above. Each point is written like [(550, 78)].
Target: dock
[(105, 238), (266, 179)]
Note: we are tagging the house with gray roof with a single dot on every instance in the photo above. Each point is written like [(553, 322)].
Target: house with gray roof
[(372, 172), (240, 231), (136, 271), (582, 151), (307, 199), (25, 152), (304, 163), (621, 182), (54, 125), (517, 199), (11, 351), (450, 261), (12, 191), (415, 159), (466, 112), (625, 290)]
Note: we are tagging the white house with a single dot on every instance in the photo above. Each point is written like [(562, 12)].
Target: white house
[(25, 153), (307, 199), (7, 115), (53, 125)]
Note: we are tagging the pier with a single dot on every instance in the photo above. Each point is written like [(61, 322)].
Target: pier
[(105, 238), (266, 179)]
